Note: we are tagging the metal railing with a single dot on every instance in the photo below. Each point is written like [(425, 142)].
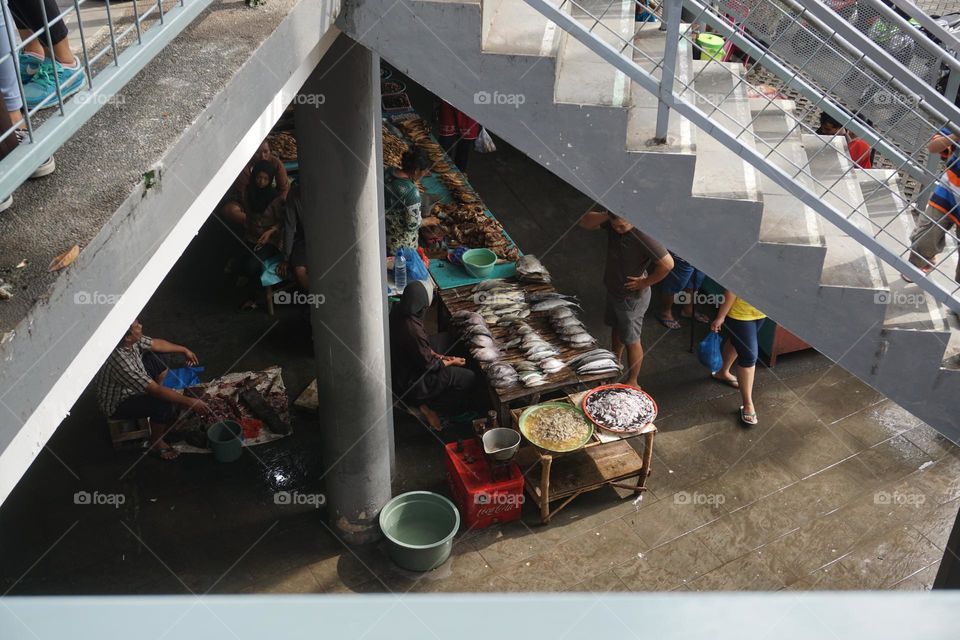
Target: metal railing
[(111, 43), (908, 110)]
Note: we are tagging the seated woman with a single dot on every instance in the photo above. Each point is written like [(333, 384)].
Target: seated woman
[(420, 374), (263, 224), (234, 207)]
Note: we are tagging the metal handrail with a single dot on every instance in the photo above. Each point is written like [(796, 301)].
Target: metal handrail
[(621, 55), (155, 27)]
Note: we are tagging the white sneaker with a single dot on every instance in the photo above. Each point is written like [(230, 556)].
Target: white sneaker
[(49, 165)]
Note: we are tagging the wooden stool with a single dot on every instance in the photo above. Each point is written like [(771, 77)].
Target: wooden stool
[(125, 431)]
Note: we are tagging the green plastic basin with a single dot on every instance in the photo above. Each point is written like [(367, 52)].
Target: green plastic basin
[(225, 440), (711, 45), (479, 263), (419, 527)]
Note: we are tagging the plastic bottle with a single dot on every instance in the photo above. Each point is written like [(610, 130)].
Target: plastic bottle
[(400, 272)]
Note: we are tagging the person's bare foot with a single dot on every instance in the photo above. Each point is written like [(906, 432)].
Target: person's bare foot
[(632, 383), (432, 417), (164, 451)]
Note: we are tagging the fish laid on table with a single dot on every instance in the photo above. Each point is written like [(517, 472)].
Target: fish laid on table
[(525, 365), (553, 303), (561, 312), (583, 357), (570, 329), (566, 321), (466, 317), (486, 354), (580, 340), (599, 366), (489, 284), (537, 356), (551, 365), (540, 296), (530, 269), (501, 375), (477, 329), (479, 340)]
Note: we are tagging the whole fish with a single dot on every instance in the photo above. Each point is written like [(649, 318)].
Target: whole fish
[(512, 343), (542, 355), (599, 365), (561, 312), (580, 339), (489, 284), (465, 316), (499, 370), (593, 352), (525, 365), (480, 340), (567, 321), (551, 365), (477, 329), (553, 303), (486, 354), (529, 265), (571, 330)]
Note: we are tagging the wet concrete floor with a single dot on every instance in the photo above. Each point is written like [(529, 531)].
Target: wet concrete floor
[(837, 488)]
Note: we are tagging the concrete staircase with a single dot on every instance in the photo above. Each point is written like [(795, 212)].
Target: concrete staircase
[(581, 119)]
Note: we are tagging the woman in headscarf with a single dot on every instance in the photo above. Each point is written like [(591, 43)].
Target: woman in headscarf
[(420, 373), (262, 225)]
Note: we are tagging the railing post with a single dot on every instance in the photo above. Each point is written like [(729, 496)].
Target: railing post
[(672, 11)]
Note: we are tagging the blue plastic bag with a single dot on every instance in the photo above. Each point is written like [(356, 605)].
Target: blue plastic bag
[(182, 378), (269, 275), (709, 352), (415, 267)]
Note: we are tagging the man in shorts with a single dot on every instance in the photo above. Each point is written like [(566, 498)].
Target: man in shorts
[(635, 262)]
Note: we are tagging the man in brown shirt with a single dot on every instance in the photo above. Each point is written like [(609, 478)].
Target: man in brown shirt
[(635, 262)]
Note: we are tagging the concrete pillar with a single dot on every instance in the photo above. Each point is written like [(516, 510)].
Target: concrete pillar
[(338, 131)]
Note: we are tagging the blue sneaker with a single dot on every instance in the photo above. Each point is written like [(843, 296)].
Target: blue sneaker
[(42, 90), (29, 65)]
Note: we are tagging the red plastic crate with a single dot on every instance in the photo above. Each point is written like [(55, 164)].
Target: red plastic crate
[(481, 500)]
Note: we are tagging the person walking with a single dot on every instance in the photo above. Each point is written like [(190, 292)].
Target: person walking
[(930, 235), (743, 322), (635, 262)]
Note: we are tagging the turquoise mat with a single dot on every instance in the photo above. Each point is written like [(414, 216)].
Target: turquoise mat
[(448, 275)]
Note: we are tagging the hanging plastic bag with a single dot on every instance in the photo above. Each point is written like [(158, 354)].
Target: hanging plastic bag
[(709, 352), (484, 142)]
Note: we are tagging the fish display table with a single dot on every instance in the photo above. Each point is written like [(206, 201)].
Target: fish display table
[(564, 381), (608, 459)]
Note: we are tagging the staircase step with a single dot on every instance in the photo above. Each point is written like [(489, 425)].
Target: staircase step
[(786, 220), (847, 263), (642, 121), (908, 306), (585, 78), (514, 27), (721, 173)]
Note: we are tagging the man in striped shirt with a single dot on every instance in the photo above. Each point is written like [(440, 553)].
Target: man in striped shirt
[(129, 386), (929, 238)]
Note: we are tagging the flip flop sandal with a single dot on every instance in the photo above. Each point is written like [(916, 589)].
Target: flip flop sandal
[(669, 324), (749, 419), (730, 382), (699, 317)]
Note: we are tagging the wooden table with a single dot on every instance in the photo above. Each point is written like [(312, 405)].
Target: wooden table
[(606, 460), (565, 381)]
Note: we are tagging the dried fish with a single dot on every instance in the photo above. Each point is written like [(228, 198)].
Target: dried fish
[(584, 356), (551, 365), (530, 269), (599, 366), (486, 354), (480, 340)]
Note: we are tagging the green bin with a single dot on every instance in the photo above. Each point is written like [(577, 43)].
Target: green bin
[(711, 46), (225, 440), (419, 526)]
